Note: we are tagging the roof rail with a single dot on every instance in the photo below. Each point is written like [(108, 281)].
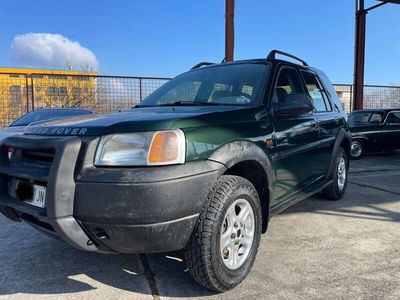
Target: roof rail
[(273, 53), (199, 65)]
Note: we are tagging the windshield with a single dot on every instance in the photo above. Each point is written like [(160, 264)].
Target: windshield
[(365, 118), (240, 84), (42, 115)]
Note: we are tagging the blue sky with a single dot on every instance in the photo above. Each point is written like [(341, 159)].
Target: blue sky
[(166, 37)]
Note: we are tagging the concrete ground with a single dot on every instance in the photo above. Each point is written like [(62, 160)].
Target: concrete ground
[(315, 250)]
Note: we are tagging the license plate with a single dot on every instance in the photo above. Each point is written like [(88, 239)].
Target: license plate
[(39, 196)]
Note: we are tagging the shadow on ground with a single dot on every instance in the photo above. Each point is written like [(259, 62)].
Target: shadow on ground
[(36, 264), (373, 181)]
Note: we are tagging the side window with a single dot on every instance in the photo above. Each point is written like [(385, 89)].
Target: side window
[(376, 118), (288, 83), (317, 92), (393, 118)]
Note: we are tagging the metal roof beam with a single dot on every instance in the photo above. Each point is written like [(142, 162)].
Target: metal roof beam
[(382, 2)]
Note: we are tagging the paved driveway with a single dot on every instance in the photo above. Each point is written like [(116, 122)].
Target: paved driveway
[(315, 250)]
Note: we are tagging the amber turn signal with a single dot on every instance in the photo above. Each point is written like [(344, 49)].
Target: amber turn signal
[(165, 148)]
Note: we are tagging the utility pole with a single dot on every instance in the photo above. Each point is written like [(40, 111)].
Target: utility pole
[(229, 29), (359, 51), (359, 55)]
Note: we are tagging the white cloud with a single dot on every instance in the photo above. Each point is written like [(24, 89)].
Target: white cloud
[(53, 51)]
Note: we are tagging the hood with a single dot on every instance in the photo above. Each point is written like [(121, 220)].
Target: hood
[(9, 131), (142, 119)]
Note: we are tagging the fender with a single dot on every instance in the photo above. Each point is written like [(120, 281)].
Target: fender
[(236, 152), (340, 137), (360, 138)]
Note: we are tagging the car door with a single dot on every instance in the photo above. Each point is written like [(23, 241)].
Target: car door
[(295, 138), (391, 130), (366, 127), (328, 118)]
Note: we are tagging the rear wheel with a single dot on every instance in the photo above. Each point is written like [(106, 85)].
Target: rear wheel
[(224, 244), (337, 188), (357, 150)]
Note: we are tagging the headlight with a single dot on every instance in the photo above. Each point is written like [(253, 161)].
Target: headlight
[(142, 149)]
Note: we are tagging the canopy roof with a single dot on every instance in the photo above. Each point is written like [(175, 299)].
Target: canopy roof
[(390, 1)]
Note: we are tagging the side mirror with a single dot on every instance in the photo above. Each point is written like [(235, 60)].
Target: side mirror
[(296, 104)]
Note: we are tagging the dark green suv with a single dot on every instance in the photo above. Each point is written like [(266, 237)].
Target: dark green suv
[(201, 164)]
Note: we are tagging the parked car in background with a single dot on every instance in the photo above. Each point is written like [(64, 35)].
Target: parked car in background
[(19, 125), (374, 130)]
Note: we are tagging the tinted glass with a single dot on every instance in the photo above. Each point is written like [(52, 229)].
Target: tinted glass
[(338, 106), (365, 118), (393, 118), (240, 84), (288, 83), (42, 115), (317, 93)]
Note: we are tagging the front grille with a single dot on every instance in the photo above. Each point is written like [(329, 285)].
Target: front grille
[(41, 157), (30, 160)]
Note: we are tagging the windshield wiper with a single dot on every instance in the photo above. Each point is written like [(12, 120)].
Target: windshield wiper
[(140, 106), (182, 103), (189, 103)]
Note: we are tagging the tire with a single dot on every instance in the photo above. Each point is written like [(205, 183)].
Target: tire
[(209, 264), (337, 189), (357, 150)]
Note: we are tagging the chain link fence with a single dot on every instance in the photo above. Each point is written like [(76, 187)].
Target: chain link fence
[(21, 93), (375, 96)]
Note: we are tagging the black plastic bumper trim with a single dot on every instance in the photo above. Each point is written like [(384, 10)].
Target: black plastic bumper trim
[(151, 238)]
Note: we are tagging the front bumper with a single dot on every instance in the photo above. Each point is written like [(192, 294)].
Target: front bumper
[(126, 210)]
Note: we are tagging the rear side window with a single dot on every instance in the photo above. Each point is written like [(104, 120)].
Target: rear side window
[(333, 96), (365, 118), (317, 92), (393, 118)]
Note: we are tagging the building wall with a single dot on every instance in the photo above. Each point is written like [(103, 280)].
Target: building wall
[(27, 89)]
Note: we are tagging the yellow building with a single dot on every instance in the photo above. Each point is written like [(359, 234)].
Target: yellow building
[(23, 90)]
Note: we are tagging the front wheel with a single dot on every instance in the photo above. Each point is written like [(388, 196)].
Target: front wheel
[(224, 244), (337, 188)]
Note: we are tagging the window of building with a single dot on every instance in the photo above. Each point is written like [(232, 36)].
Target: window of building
[(62, 90), (15, 89), (56, 76), (52, 90), (76, 90)]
